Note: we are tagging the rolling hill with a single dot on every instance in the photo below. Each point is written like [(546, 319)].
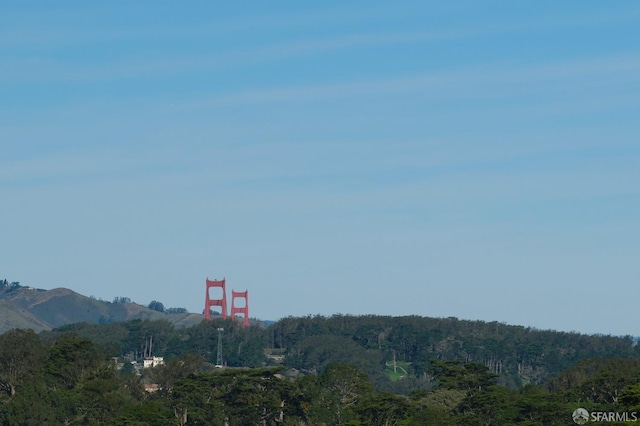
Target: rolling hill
[(37, 309)]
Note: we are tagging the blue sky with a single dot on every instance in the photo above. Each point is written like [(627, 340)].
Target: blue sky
[(468, 159)]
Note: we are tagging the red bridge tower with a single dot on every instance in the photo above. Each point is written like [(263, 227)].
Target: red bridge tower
[(240, 309), (209, 302)]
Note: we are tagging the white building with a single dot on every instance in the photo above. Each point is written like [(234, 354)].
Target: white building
[(152, 361)]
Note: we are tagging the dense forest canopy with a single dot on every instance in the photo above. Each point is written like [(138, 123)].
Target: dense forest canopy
[(339, 370), (518, 355)]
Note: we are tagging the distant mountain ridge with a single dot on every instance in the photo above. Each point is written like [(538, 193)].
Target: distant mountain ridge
[(38, 309)]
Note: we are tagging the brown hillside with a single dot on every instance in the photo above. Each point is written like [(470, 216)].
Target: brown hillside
[(25, 307)]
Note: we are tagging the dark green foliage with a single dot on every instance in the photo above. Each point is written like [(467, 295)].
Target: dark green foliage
[(630, 397), (21, 357), (67, 376), (238, 397), (150, 412), (156, 306), (71, 382), (242, 346), (197, 398), (600, 381), (175, 368), (70, 360), (462, 375), (382, 409), (519, 355), (34, 405), (343, 388), (9, 286), (175, 311), (315, 353)]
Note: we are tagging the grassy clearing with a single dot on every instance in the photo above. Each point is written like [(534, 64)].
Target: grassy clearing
[(402, 369)]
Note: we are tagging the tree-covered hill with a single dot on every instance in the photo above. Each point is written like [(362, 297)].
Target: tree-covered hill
[(62, 378), (375, 344), (395, 352), (519, 355)]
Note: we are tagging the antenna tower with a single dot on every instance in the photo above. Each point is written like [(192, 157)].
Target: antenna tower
[(219, 357)]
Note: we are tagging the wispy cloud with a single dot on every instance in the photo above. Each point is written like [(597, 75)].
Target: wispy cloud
[(26, 29), (461, 82), (36, 68), (40, 69), (50, 32)]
